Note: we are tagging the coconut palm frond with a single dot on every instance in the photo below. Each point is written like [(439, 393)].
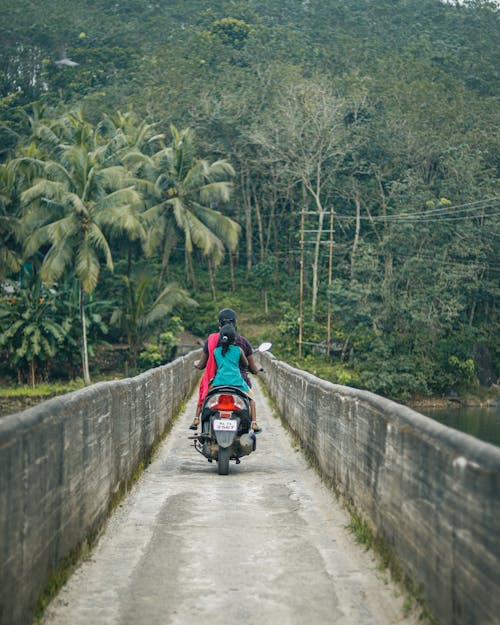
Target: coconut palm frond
[(87, 267), (36, 240), (215, 192), (143, 134), (62, 229), (125, 196), (9, 262), (101, 153), (179, 211), (17, 164), (183, 151), (171, 297), (145, 187), (160, 137), (224, 227), (161, 157), (188, 241), (54, 170), (221, 170), (9, 224), (98, 240), (163, 239), (74, 202), (195, 178), (74, 158), (112, 177), (156, 212), (134, 156), (125, 219), (203, 238), (161, 184), (56, 261), (47, 135), (175, 135), (42, 188)]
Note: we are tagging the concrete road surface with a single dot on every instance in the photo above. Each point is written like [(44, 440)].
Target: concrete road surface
[(266, 544)]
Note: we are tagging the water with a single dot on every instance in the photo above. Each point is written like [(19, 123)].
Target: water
[(483, 423)]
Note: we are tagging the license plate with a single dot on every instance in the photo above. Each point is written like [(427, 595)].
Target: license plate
[(225, 425)]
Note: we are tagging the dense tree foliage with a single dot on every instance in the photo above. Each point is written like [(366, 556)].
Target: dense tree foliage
[(332, 165)]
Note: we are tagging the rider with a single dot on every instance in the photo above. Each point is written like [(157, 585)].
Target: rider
[(229, 358), (207, 361)]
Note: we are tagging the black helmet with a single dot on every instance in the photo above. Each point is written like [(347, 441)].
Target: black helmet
[(227, 315)]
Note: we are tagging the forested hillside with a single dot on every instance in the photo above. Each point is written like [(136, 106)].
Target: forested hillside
[(329, 168)]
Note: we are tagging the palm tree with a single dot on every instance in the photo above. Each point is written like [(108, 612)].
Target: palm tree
[(10, 260), (186, 193), (74, 205), (139, 312), (129, 132), (129, 136)]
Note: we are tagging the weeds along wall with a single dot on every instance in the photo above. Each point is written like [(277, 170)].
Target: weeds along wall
[(64, 463), (432, 494)]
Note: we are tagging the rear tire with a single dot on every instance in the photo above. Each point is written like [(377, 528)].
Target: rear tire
[(223, 461)]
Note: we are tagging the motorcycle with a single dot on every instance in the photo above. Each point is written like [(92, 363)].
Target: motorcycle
[(226, 425)]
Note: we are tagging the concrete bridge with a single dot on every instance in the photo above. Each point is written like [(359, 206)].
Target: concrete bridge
[(268, 543)]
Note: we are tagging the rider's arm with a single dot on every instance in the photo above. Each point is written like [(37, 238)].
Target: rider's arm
[(252, 367), (243, 359), (202, 362), (247, 350)]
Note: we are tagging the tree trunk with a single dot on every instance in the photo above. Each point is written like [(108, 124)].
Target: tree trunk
[(188, 268), (315, 268), (166, 249), (85, 354), (291, 238), (260, 229), (248, 220), (271, 224), (211, 273), (231, 272), (356, 235), (344, 349), (129, 259), (32, 372)]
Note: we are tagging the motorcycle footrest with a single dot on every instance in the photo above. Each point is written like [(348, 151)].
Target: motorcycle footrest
[(199, 437)]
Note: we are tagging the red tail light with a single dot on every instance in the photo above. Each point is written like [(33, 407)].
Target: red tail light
[(225, 401)]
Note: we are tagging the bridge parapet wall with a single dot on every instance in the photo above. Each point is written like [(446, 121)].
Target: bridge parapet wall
[(430, 492), (62, 464)]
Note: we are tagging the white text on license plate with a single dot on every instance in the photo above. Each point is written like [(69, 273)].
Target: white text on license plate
[(225, 425)]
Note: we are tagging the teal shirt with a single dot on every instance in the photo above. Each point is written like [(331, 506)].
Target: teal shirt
[(228, 368)]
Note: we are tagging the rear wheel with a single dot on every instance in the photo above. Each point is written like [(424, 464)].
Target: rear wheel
[(223, 461)]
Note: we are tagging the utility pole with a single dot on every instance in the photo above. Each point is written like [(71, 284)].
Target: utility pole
[(330, 272), (301, 283)]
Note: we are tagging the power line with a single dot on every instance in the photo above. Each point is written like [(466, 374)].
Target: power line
[(443, 212), (473, 263), (467, 206), (418, 217)]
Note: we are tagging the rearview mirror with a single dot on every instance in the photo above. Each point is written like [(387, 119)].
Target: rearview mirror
[(264, 347)]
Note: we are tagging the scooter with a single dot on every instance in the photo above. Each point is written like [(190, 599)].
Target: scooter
[(226, 425)]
